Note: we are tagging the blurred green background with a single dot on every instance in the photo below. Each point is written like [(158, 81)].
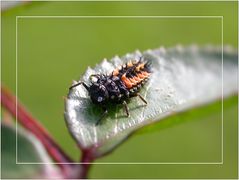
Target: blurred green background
[(54, 51)]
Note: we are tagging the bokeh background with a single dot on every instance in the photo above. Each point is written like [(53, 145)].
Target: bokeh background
[(54, 51)]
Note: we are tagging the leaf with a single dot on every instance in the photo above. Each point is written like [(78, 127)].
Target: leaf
[(182, 78), (198, 113), (29, 151)]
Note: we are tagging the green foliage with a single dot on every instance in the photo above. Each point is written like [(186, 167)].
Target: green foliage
[(190, 115), (27, 153), (51, 52), (183, 78)]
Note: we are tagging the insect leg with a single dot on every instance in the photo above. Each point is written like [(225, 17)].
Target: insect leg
[(79, 83), (126, 108), (102, 116), (141, 98)]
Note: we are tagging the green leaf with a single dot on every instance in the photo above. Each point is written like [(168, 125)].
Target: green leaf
[(183, 78), (198, 113), (30, 155)]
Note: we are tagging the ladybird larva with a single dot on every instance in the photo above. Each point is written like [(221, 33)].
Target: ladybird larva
[(122, 84)]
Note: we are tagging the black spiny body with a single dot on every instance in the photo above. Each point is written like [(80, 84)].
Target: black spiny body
[(116, 88)]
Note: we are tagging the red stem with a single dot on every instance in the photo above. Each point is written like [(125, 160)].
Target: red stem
[(27, 121), (86, 159)]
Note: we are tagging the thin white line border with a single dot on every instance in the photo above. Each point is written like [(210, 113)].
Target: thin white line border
[(123, 163)]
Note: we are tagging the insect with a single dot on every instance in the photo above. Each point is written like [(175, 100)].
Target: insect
[(119, 86)]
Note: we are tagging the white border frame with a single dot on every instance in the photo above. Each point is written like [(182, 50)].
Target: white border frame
[(124, 163)]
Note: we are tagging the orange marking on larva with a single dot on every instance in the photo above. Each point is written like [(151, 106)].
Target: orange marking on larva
[(145, 73), (115, 72), (123, 77), (139, 67), (142, 65), (137, 79), (126, 81), (141, 79), (141, 76), (133, 81), (130, 64), (128, 84)]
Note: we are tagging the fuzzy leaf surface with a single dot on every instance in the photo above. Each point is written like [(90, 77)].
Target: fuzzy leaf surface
[(183, 78)]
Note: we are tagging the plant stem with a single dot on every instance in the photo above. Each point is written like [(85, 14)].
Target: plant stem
[(86, 159), (17, 110)]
